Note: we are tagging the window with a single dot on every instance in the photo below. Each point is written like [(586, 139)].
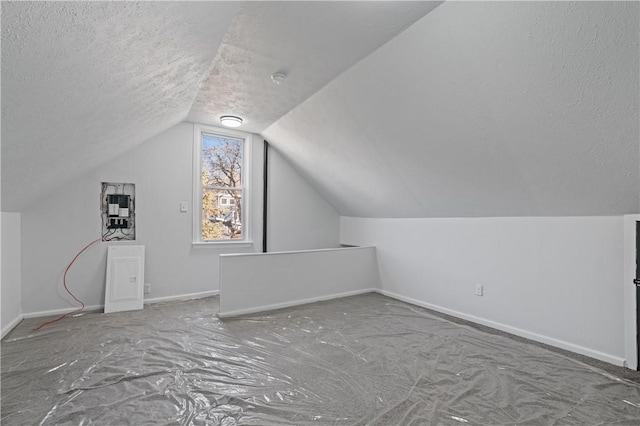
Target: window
[(220, 185)]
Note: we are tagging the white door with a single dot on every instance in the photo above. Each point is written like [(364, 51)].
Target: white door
[(125, 279)]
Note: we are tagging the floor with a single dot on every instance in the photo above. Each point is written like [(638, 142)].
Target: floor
[(362, 360)]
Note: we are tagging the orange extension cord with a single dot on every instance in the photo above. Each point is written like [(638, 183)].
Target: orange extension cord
[(64, 282)]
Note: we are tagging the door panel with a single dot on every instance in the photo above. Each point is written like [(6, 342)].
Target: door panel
[(125, 279)]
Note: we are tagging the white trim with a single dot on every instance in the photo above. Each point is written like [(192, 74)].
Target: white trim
[(612, 359), (275, 253), (198, 130), (221, 244), (196, 184), (7, 328), (200, 295), (292, 303), (629, 291), (188, 296), (52, 312)]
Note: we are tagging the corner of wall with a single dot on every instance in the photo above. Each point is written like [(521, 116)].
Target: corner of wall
[(300, 218), (557, 280), (11, 279)]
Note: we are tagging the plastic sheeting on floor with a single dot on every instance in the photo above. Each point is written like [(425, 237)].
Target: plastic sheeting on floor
[(360, 360)]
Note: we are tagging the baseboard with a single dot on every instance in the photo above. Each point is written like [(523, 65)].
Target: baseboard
[(7, 328), (100, 307), (289, 304), (199, 295), (53, 312), (611, 359)]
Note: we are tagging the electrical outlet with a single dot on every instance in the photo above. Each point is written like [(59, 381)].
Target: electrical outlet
[(479, 290), (147, 288)]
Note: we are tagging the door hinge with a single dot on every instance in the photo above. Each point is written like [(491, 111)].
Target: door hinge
[(636, 281)]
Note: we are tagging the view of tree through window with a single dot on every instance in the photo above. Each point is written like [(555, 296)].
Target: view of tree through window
[(221, 187)]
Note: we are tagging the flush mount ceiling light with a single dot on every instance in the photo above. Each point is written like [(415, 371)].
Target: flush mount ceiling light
[(230, 121), (278, 77)]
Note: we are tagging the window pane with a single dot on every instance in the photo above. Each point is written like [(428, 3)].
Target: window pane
[(221, 161), (221, 214)]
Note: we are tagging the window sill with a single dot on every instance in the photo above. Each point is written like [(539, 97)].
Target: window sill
[(221, 244)]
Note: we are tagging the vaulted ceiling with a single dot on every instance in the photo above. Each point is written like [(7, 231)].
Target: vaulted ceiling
[(84, 82), (390, 109), (482, 109)]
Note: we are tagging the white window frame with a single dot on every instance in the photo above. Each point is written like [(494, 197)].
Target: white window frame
[(198, 131)]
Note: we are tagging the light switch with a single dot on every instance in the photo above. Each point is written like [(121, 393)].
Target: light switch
[(184, 207)]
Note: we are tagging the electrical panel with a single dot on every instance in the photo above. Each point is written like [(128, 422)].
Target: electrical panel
[(117, 207), (119, 210)]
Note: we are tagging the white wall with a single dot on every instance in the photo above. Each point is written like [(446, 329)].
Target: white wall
[(261, 282), (308, 221), (11, 277), (57, 227), (553, 279)]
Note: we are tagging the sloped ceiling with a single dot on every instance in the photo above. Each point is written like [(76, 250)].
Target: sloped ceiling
[(481, 109), (477, 109), (310, 42), (84, 82)]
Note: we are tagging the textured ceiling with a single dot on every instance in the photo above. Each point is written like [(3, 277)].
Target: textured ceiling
[(478, 109), (311, 42), (84, 82), (481, 109)]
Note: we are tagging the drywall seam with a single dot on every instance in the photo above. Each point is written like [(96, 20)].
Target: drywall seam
[(612, 359), (293, 303), (199, 295)]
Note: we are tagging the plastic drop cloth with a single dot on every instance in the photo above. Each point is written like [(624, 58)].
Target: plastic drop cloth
[(360, 360)]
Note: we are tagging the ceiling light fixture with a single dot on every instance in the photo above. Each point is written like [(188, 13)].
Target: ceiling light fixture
[(230, 121), (278, 77)]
